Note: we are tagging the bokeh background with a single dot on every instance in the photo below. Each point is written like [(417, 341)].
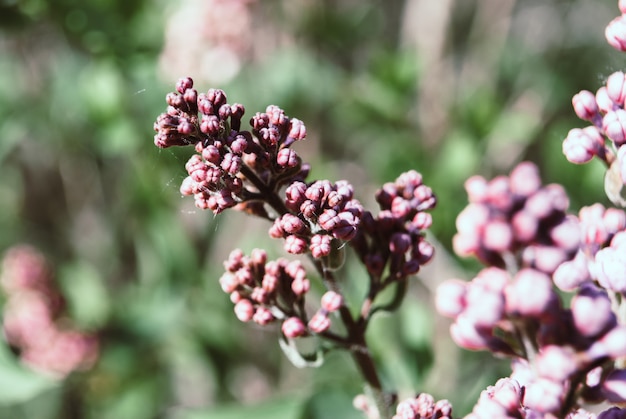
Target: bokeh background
[(449, 88)]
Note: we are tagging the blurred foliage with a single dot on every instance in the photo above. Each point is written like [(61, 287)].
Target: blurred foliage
[(450, 88)]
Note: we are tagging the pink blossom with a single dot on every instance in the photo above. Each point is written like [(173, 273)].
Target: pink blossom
[(585, 105), (615, 33)]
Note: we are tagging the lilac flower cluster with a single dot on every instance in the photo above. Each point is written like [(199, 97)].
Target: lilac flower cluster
[(562, 356), (267, 291), (326, 212), (514, 219), (232, 166), (393, 241), (33, 322)]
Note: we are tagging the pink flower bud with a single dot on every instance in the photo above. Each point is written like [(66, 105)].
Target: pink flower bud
[(291, 224), (465, 333), (613, 345), (183, 84), (604, 101), (332, 301), (263, 316), (476, 188), (287, 157), (294, 195), (320, 322), (507, 393), (297, 130), (581, 145), (616, 88), (621, 162), (614, 125), (300, 286), (524, 226), (611, 268), (498, 236), (571, 274), (320, 245), (244, 310), (615, 33), (293, 328), (529, 294), (228, 282), (484, 306), (556, 363), (585, 105), (591, 310), (524, 179), (544, 395), (295, 245), (188, 186)]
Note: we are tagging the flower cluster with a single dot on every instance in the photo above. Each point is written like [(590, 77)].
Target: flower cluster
[(394, 238), (232, 166), (33, 322), (516, 219), (562, 356), (266, 291), (326, 212)]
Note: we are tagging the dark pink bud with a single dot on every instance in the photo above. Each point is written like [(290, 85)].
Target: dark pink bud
[(399, 243), (239, 145), (211, 154), (422, 220), (400, 207), (244, 310), (297, 130), (259, 295), (331, 301), (328, 220), (263, 316), (499, 193), (287, 157), (300, 286), (183, 84), (320, 245), (615, 33), (231, 163), (320, 322), (293, 328), (295, 245), (294, 195), (210, 125), (614, 125), (291, 224), (309, 209), (224, 111), (585, 105)]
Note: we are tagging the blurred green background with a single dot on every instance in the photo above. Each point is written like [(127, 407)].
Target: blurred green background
[(449, 88)]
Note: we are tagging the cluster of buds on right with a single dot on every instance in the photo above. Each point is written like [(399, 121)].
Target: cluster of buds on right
[(531, 246), (32, 317)]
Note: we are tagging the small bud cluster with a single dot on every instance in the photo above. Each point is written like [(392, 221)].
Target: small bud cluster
[(33, 322), (325, 211), (423, 406), (232, 166), (394, 239), (516, 217), (267, 291)]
